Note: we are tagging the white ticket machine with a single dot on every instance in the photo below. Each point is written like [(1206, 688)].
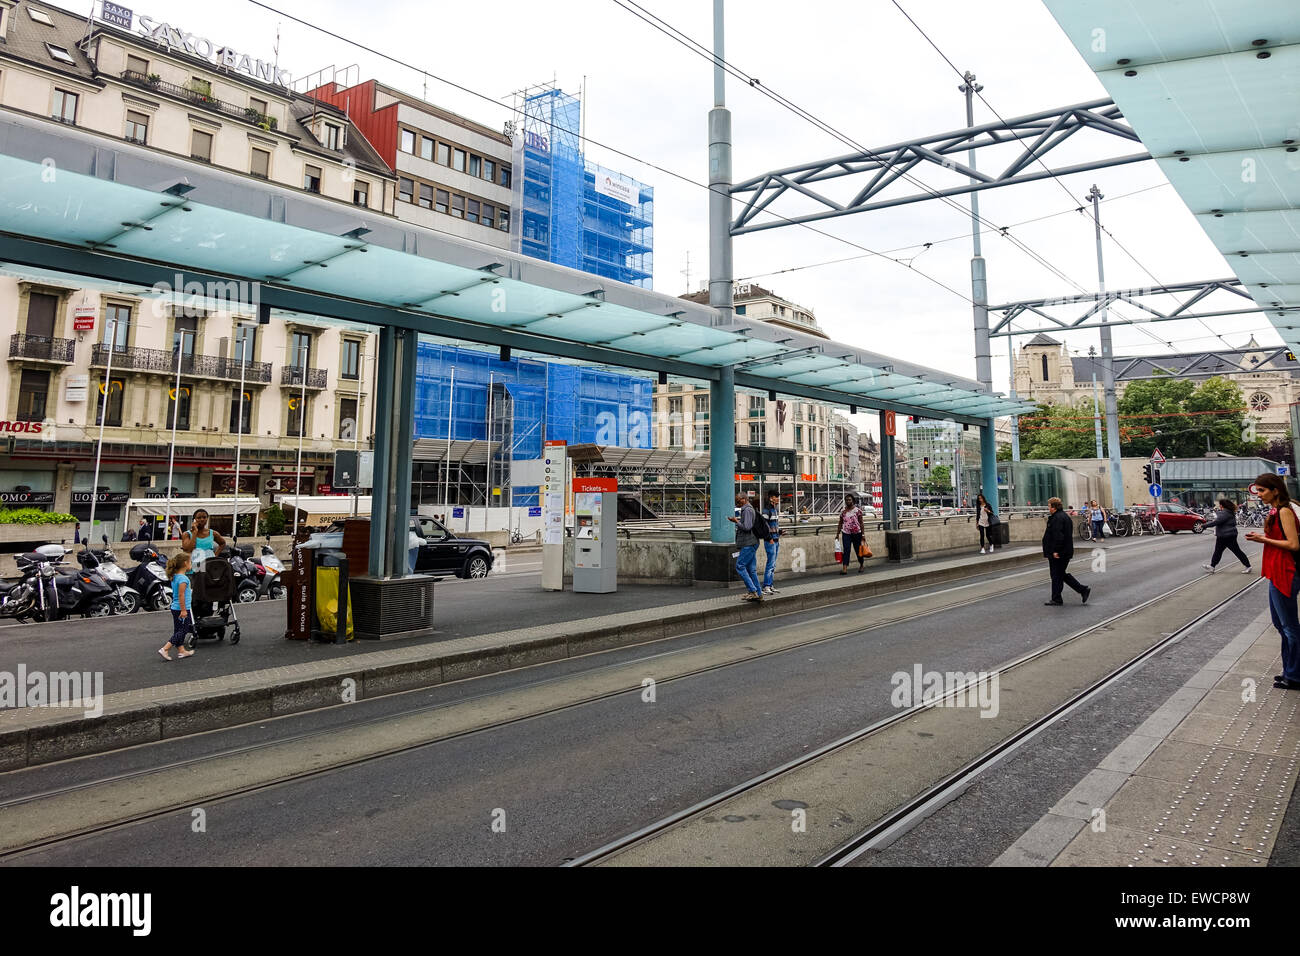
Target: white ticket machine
[(595, 535)]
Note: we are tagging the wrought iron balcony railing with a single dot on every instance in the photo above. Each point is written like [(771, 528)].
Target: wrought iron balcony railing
[(203, 97), (40, 348), (293, 375), (158, 360)]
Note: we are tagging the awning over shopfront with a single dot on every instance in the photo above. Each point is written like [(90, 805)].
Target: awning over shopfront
[(323, 509), (157, 507)]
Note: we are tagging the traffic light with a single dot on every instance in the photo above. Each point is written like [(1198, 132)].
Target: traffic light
[(1146, 474), (926, 461), (1156, 472)]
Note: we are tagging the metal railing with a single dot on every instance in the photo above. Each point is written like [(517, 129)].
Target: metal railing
[(40, 347), (201, 98), (131, 359), (293, 375)]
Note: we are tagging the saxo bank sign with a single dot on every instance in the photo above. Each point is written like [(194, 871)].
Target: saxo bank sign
[(171, 37)]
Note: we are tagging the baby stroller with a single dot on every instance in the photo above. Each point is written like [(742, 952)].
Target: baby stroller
[(214, 602)]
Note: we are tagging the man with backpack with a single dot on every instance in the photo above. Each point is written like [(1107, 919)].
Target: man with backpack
[(768, 530)]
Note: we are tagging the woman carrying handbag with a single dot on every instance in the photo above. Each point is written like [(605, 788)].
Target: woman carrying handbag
[(851, 534)]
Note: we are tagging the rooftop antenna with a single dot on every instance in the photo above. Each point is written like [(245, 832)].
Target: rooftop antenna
[(687, 271), (276, 50)]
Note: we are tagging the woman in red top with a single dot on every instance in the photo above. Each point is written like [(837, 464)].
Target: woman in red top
[(1281, 540)]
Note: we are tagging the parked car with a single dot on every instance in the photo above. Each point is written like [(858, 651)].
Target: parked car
[(1174, 518), (443, 552)]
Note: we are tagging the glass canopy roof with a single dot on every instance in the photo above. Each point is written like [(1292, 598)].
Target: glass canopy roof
[(1213, 89), (400, 266)]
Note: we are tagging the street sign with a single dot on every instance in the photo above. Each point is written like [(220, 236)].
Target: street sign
[(1155, 491), (1157, 458), (891, 427), (1284, 469)]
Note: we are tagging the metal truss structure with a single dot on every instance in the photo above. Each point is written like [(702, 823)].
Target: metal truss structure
[(1100, 301), (1038, 133)]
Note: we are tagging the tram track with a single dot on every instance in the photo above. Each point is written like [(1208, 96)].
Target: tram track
[(904, 817)]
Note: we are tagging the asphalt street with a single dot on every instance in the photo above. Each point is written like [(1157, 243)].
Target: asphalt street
[(553, 786)]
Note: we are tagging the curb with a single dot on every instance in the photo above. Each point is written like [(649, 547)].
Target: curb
[(161, 720)]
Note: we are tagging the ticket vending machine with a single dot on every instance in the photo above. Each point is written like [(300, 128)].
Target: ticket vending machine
[(595, 535)]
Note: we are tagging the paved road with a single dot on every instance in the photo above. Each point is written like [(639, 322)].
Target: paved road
[(571, 780)]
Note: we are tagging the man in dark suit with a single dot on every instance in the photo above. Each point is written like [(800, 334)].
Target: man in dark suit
[(1058, 548)]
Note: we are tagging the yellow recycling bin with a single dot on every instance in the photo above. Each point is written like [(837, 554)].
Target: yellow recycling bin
[(327, 601)]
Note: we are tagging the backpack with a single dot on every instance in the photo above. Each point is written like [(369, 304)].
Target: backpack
[(762, 530)]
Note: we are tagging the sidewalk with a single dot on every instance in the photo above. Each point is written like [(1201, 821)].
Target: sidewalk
[(1205, 781), (40, 735)]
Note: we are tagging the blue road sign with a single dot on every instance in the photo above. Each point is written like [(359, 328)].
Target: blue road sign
[(534, 512), (1155, 491), (1284, 469), (458, 512)]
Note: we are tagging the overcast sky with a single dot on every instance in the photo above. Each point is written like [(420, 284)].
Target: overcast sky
[(862, 68)]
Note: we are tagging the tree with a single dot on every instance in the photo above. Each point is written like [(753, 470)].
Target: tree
[(1178, 416), (939, 481), (1059, 431), (272, 522)]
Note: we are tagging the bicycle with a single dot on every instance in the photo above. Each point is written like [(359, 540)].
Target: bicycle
[(516, 537)]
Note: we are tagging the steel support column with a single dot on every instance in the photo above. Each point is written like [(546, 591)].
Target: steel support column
[(1108, 372), (888, 476), (989, 463), (722, 456), (383, 407), (390, 502)]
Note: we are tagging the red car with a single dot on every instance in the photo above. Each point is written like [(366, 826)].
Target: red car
[(1174, 518)]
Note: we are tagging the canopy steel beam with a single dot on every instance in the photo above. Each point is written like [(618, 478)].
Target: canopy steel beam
[(1097, 301), (1038, 134)]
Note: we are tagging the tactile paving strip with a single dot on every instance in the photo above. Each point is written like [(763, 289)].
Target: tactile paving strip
[(1215, 791)]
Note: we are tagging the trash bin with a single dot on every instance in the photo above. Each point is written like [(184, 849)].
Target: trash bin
[(333, 609), (1001, 533)]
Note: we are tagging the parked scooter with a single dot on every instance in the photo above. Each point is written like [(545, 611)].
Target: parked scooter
[(149, 577), (246, 580), (60, 595), (104, 561), (268, 569)]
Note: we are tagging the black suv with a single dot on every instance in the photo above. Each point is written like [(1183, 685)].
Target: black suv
[(443, 552)]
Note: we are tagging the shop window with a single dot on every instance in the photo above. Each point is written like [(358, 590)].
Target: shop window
[(33, 389)]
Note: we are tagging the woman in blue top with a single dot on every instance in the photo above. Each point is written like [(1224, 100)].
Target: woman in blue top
[(182, 613), (201, 541)]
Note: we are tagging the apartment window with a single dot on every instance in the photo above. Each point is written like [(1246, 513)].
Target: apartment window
[(489, 215), (758, 433), (258, 106), (347, 418), (458, 160), (503, 219), (331, 140), (674, 436), (137, 64), (40, 16), (444, 154), (407, 142), (757, 405), (675, 407), (798, 436), (261, 163), (458, 206), (471, 210), (426, 148), (241, 418), (113, 394), (406, 189), (505, 176), (489, 170), (300, 356), (245, 341), (117, 326), (701, 437), (60, 54), (201, 145), (443, 199), (360, 193), (137, 126), (33, 389), (426, 196), (297, 410), (475, 166), (351, 359), (65, 106), (311, 177), (178, 408), (701, 406)]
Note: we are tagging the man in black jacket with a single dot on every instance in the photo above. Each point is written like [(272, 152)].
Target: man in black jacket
[(1058, 548)]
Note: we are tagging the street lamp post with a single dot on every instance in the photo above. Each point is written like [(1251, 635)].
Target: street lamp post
[(107, 387)]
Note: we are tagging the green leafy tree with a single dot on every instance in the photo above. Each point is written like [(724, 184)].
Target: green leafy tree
[(1059, 431), (272, 522), (1178, 417), (939, 481)]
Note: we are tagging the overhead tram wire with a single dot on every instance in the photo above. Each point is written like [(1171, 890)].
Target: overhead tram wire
[(935, 242), (679, 36), (1039, 160), (594, 142)]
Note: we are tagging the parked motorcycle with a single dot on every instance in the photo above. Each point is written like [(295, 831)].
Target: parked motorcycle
[(268, 569), (149, 576), (246, 579), (104, 561), (60, 595)]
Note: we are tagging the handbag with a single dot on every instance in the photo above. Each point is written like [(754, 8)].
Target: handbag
[(839, 550), (863, 550), (1105, 529)]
